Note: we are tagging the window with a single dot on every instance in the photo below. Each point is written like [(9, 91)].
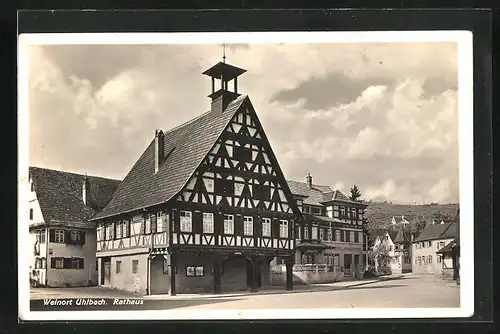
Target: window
[(321, 234), (75, 235), (118, 266), (38, 263), (44, 263), (238, 188), (335, 213), (108, 232), (266, 227), (337, 235), (429, 244), (147, 224), (441, 244), (209, 185), (356, 237), (76, 263), (59, 236), (186, 222), (228, 224), (135, 266), (316, 211), (208, 222), (283, 228), (118, 232), (125, 229), (153, 223), (439, 259), (430, 259), (347, 236), (242, 153), (195, 271), (58, 263), (224, 187), (314, 233), (261, 192), (248, 226), (298, 234), (31, 214), (306, 232)]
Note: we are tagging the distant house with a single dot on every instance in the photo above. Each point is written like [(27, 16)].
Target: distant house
[(398, 245), (426, 257), (401, 259), (398, 221), (63, 240)]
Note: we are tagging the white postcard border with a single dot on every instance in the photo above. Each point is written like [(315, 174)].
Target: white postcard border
[(465, 108)]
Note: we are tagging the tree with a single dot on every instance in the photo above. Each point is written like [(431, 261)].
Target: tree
[(380, 255), (355, 193)]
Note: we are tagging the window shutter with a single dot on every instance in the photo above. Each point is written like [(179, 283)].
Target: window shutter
[(67, 237), (82, 237), (52, 235), (342, 235), (67, 263), (81, 263), (143, 226), (53, 262)]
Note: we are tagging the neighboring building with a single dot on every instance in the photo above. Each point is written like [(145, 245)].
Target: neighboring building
[(399, 221), (63, 240), (204, 209), (331, 231), (451, 255), (433, 238), (401, 256), (398, 244)]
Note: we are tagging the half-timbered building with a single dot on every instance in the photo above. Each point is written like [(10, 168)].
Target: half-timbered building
[(331, 229), (62, 239), (204, 209)]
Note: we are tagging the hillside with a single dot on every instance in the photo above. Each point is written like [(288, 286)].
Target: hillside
[(381, 213)]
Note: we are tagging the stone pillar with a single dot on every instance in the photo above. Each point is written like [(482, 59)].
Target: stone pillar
[(289, 273), (173, 270)]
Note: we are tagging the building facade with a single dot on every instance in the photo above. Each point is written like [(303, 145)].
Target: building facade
[(434, 237), (331, 229), (205, 208), (63, 240)]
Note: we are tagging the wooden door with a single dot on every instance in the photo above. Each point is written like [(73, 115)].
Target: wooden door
[(107, 272)]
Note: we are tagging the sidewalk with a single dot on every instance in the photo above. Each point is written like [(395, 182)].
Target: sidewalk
[(273, 290)]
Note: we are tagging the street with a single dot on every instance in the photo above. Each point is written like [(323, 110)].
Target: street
[(405, 292)]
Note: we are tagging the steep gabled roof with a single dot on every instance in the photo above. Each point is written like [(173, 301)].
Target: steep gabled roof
[(313, 195), (437, 231), (393, 234), (402, 237), (60, 194), (185, 147)]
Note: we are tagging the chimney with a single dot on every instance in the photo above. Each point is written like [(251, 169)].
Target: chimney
[(159, 149), (86, 190), (309, 181)]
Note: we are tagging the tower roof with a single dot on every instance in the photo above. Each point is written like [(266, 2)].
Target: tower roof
[(225, 70)]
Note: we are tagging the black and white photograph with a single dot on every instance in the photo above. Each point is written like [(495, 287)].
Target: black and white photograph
[(245, 175)]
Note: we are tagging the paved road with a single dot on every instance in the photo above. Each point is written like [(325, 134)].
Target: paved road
[(408, 292)]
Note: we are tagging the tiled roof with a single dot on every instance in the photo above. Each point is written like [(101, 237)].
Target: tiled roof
[(402, 237), (60, 194), (438, 231), (185, 147), (393, 234), (448, 248), (337, 195), (314, 196)]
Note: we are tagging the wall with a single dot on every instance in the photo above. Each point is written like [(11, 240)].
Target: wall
[(73, 277), (126, 279), (433, 268)]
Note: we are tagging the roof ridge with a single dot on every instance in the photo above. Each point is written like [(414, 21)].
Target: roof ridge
[(72, 173)]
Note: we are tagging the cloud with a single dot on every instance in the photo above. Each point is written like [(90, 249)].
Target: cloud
[(382, 116)]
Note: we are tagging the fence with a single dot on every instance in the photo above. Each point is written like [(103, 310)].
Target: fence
[(306, 274)]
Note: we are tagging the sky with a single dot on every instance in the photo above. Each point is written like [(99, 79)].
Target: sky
[(383, 116)]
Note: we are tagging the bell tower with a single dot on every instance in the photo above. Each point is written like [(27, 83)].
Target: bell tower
[(221, 74)]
